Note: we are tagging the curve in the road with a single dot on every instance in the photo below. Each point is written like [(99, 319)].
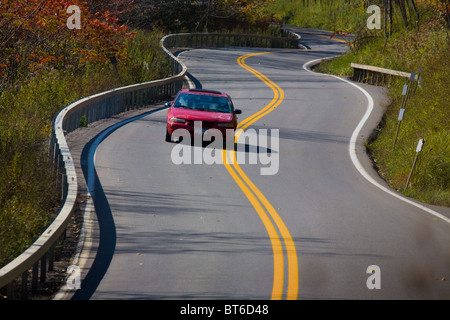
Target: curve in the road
[(258, 200), (334, 247), (352, 146)]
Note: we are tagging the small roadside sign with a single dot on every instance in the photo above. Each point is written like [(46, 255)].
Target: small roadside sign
[(420, 145), (400, 115)]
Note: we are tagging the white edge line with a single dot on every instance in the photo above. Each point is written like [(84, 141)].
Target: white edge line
[(354, 137)]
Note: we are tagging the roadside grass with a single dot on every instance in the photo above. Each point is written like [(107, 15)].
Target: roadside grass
[(426, 117), (29, 195)]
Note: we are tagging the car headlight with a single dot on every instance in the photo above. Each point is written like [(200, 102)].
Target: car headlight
[(177, 120), (226, 124)]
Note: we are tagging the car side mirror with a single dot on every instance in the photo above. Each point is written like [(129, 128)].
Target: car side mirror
[(168, 104), (238, 111)]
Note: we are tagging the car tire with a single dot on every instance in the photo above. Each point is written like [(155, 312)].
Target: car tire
[(168, 136)]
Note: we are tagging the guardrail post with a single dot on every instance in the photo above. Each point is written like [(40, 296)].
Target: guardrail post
[(24, 290), (51, 257), (43, 268), (34, 278), (62, 185), (10, 290)]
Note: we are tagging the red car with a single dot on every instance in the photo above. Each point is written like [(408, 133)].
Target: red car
[(214, 109)]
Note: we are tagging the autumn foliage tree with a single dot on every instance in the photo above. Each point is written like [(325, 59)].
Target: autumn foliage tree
[(34, 35), (43, 65)]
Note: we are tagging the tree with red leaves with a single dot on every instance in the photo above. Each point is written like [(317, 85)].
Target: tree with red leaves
[(34, 36)]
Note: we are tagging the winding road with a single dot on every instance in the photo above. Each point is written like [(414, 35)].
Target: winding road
[(316, 228)]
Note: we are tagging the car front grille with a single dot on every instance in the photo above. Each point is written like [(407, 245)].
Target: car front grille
[(205, 124)]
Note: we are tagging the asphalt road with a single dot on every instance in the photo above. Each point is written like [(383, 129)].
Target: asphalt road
[(312, 230)]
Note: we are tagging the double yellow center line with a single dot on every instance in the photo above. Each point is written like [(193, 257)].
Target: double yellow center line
[(265, 210)]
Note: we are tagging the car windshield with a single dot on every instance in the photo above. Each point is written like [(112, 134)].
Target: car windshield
[(203, 102)]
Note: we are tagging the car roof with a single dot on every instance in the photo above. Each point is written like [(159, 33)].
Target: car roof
[(206, 91)]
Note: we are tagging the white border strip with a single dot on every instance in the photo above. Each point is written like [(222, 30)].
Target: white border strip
[(354, 137)]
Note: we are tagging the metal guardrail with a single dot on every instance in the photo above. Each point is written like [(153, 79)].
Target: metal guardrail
[(201, 40), (39, 256), (375, 75)]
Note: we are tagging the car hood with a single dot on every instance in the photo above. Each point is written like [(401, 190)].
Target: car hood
[(195, 115)]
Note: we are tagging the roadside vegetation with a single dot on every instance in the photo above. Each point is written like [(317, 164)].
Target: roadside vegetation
[(418, 37), (44, 65)]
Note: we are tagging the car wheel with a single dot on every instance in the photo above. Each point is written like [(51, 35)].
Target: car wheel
[(168, 137)]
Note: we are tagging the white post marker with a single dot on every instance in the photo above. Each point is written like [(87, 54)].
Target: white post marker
[(420, 145), (405, 89), (401, 113), (418, 149)]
